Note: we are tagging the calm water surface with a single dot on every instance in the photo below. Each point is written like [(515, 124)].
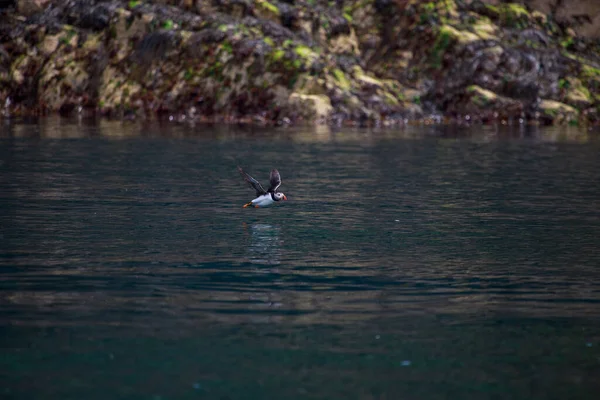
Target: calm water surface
[(416, 264)]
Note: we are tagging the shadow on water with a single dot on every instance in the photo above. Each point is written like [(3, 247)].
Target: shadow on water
[(422, 262)]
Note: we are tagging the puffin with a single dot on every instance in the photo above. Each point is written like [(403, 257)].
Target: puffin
[(264, 198)]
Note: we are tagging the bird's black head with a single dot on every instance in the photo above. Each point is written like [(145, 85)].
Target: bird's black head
[(279, 196)]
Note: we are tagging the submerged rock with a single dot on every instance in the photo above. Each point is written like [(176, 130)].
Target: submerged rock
[(368, 62)]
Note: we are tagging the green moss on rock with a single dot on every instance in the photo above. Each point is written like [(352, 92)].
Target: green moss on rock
[(485, 29), (341, 78), (442, 11), (305, 52), (481, 97), (577, 94), (267, 10), (277, 55), (590, 72), (513, 15), (446, 36), (492, 10), (269, 41), (557, 111)]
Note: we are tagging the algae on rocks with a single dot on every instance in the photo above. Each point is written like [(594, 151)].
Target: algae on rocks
[(370, 62)]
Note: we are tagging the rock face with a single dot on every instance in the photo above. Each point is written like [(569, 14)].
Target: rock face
[(582, 15), (367, 62), (30, 7)]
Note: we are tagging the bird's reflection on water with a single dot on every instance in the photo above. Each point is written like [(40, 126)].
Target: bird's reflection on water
[(264, 245)]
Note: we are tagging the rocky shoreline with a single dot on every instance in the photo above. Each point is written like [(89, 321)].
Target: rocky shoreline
[(344, 62)]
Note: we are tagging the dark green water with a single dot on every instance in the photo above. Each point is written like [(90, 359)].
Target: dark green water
[(418, 264)]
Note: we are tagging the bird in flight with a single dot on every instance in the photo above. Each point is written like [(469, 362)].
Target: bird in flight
[(264, 198)]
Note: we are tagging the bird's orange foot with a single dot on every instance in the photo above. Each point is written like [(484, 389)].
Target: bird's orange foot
[(255, 206), (247, 205)]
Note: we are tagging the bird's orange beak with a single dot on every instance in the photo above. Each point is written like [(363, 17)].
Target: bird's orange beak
[(284, 197)]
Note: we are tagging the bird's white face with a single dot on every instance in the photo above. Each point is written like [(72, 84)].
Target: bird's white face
[(280, 196)]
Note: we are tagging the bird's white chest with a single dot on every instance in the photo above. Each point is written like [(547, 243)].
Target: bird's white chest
[(263, 201)]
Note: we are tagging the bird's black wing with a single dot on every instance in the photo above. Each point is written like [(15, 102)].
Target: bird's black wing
[(275, 181), (253, 183)]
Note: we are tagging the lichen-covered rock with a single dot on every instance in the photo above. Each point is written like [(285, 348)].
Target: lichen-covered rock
[(30, 7), (369, 62), (316, 106), (583, 15), (487, 59), (480, 104), (556, 112)]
